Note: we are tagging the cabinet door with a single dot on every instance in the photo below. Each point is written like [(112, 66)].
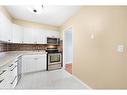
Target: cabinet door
[(5, 29), (32, 63), (9, 76), (28, 35), (39, 36), (44, 37), (0, 26), (54, 34), (4, 77), (17, 33), (13, 75)]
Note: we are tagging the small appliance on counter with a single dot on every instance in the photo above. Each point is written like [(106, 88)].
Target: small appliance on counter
[(54, 59)]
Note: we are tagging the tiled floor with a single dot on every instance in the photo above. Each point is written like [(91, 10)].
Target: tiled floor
[(57, 79), (68, 68)]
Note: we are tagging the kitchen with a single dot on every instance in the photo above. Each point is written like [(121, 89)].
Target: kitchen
[(28, 48)]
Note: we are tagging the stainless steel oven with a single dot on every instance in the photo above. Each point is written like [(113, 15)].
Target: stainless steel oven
[(54, 61)]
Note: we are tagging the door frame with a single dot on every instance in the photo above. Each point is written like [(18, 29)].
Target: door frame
[(64, 31)]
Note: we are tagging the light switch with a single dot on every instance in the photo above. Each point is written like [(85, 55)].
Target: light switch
[(120, 48)]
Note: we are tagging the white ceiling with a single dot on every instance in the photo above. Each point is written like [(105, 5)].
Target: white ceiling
[(52, 15)]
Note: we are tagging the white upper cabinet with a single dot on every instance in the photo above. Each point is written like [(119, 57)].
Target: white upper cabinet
[(54, 34), (28, 35), (17, 33), (37, 36), (13, 33), (5, 29)]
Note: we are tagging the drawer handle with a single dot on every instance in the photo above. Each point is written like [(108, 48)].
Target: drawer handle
[(35, 58), (3, 72), (1, 80), (11, 65), (13, 68), (16, 61), (14, 80)]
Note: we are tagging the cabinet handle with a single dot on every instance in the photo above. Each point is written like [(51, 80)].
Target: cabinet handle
[(9, 40), (35, 58), (13, 80), (16, 61), (3, 72), (11, 65), (13, 68), (1, 80), (35, 42)]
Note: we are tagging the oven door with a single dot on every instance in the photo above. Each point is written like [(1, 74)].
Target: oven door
[(54, 58)]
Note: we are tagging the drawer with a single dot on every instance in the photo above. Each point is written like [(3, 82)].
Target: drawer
[(13, 81), (3, 84), (7, 76), (32, 56), (54, 66), (4, 72), (13, 71)]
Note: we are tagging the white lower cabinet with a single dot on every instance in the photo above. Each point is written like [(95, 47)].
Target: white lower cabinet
[(8, 76), (13, 75), (4, 77), (32, 63)]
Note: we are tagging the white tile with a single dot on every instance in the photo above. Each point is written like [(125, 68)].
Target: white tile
[(57, 79)]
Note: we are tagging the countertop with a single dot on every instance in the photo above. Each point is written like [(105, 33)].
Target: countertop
[(10, 56)]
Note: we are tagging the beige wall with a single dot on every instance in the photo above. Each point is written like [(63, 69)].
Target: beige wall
[(96, 61)]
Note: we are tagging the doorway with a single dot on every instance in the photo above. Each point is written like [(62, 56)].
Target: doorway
[(68, 50)]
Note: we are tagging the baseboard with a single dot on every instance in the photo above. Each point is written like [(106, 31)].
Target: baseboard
[(80, 81), (68, 62)]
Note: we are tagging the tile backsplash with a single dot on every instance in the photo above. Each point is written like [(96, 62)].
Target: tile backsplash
[(25, 47), (3, 47)]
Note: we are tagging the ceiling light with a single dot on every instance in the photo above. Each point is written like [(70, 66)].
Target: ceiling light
[(35, 9)]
